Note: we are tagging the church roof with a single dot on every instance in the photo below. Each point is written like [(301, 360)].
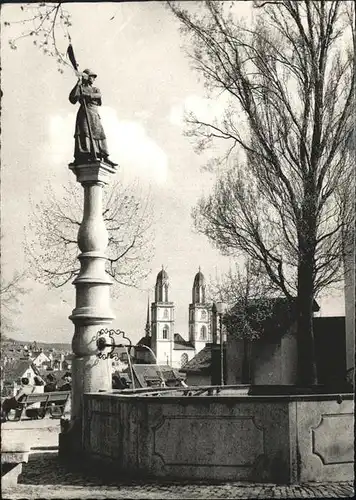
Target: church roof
[(162, 277), (199, 279), (181, 344), (146, 340), (201, 363)]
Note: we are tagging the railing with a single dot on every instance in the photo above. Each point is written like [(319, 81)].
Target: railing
[(207, 390)]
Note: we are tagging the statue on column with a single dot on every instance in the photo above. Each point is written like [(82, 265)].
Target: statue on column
[(90, 139)]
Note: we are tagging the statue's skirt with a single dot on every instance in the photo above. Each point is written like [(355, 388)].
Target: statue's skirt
[(82, 137)]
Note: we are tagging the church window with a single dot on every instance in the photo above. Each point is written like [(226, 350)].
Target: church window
[(165, 293), (203, 314), (165, 313), (203, 333), (183, 359), (165, 332), (191, 331)]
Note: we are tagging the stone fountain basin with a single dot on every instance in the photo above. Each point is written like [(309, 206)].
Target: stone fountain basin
[(229, 435)]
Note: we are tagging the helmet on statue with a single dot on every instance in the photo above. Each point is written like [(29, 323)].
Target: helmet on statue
[(89, 72)]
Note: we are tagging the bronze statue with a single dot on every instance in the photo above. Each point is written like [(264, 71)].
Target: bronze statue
[(90, 139)]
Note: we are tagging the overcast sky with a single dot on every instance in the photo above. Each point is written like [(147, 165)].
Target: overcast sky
[(146, 83)]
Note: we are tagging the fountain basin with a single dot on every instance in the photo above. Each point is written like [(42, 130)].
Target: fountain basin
[(228, 435)]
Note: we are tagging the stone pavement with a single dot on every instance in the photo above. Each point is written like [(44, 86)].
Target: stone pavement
[(46, 477)]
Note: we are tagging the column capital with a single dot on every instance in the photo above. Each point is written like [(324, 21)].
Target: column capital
[(94, 172)]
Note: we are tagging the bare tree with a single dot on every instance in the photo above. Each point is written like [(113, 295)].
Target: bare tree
[(47, 24), (290, 80), (44, 23), (290, 83), (249, 297), (10, 297), (51, 239)]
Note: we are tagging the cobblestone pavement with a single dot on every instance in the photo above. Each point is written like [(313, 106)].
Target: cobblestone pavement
[(45, 477)]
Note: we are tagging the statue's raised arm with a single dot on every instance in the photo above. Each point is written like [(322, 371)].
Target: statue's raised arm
[(90, 139)]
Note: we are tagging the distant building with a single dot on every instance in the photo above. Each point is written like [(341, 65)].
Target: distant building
[(59, 361), (55, 376), (155, 376), (67, 362), (39, 358), (169, 347), (198, 370), (271, 359), (120, 362), (13, 372)]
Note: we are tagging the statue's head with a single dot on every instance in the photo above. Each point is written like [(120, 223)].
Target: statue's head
[(89, 75), (89, 72)]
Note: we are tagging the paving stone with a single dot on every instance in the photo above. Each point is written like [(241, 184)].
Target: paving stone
[(44, 476)]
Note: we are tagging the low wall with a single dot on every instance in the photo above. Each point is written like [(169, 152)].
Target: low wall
[(279, 439), (324, 439)]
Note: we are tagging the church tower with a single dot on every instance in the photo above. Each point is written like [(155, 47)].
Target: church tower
[(162, 321), (199, 315)]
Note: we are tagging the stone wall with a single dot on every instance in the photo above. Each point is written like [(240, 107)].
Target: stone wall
[(234, 356), (266, 363), (325, 440), (289, 359), (272, 362), (266, 439)]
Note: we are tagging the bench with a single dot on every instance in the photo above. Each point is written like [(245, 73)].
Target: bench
[(52, 402)]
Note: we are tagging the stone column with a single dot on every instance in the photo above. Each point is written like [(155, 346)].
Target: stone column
[(92, 309)]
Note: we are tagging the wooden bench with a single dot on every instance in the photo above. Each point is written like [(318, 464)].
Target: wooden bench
[(52, 402)]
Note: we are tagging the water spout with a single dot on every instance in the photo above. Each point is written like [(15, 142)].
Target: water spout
[(130, 366)]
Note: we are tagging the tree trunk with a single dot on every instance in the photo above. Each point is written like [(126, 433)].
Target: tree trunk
[(306, 375)]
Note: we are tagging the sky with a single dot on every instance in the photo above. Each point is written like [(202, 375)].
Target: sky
[(147, 83)]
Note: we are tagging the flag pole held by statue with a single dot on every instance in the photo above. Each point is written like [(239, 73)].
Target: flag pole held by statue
[(71, 56)]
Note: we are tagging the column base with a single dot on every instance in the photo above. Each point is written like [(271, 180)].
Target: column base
[(70, 443), (93, 172)]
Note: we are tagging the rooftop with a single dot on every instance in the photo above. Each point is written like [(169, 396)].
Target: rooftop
[(181, 344), (14, 370), (200, 363)]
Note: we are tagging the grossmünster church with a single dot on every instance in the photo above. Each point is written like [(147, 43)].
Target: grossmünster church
[(172, 348)]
